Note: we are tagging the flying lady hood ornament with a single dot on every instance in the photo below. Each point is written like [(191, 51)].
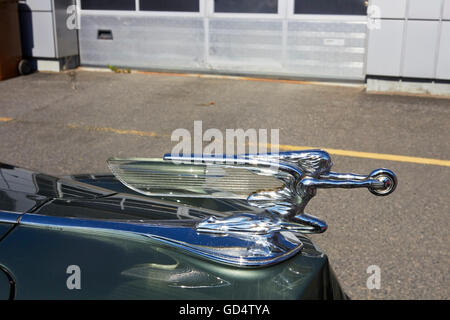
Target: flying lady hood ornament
[(281, 185)]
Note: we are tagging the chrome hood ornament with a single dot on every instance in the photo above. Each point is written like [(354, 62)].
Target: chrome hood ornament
[(281, 184), (272, 192)]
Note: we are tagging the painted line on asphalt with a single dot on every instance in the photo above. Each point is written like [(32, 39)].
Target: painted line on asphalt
[(369, 155), (281, 147), (118, 131)]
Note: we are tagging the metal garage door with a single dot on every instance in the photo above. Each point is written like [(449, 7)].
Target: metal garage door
[(301, 38)]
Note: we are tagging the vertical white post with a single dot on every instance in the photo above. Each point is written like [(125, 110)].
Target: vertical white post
[(78, 12), (284, 7), (206, 7)]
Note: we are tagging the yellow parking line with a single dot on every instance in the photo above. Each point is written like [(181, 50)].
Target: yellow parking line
[(369, 155), (281, 147), (118, 131)]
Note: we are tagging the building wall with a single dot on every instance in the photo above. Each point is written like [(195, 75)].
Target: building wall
[(412, 39), (283, 39)]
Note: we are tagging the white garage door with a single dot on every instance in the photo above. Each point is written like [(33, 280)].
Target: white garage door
[(301, 38)]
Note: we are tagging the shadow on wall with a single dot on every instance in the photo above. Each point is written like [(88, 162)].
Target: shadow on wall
[(27, 39)]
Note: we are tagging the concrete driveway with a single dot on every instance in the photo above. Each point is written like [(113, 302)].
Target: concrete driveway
[(72, 122)]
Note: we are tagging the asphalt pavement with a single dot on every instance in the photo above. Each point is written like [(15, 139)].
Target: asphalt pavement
[(71, 122)]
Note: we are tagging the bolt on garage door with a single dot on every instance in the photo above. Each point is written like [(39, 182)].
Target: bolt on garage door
[(301, 38)]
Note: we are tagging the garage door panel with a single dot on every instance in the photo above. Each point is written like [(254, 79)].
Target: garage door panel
[(420, 49), (380, 60), (142, 41)]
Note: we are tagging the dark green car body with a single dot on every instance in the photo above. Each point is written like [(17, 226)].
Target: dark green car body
[(36, 258)]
